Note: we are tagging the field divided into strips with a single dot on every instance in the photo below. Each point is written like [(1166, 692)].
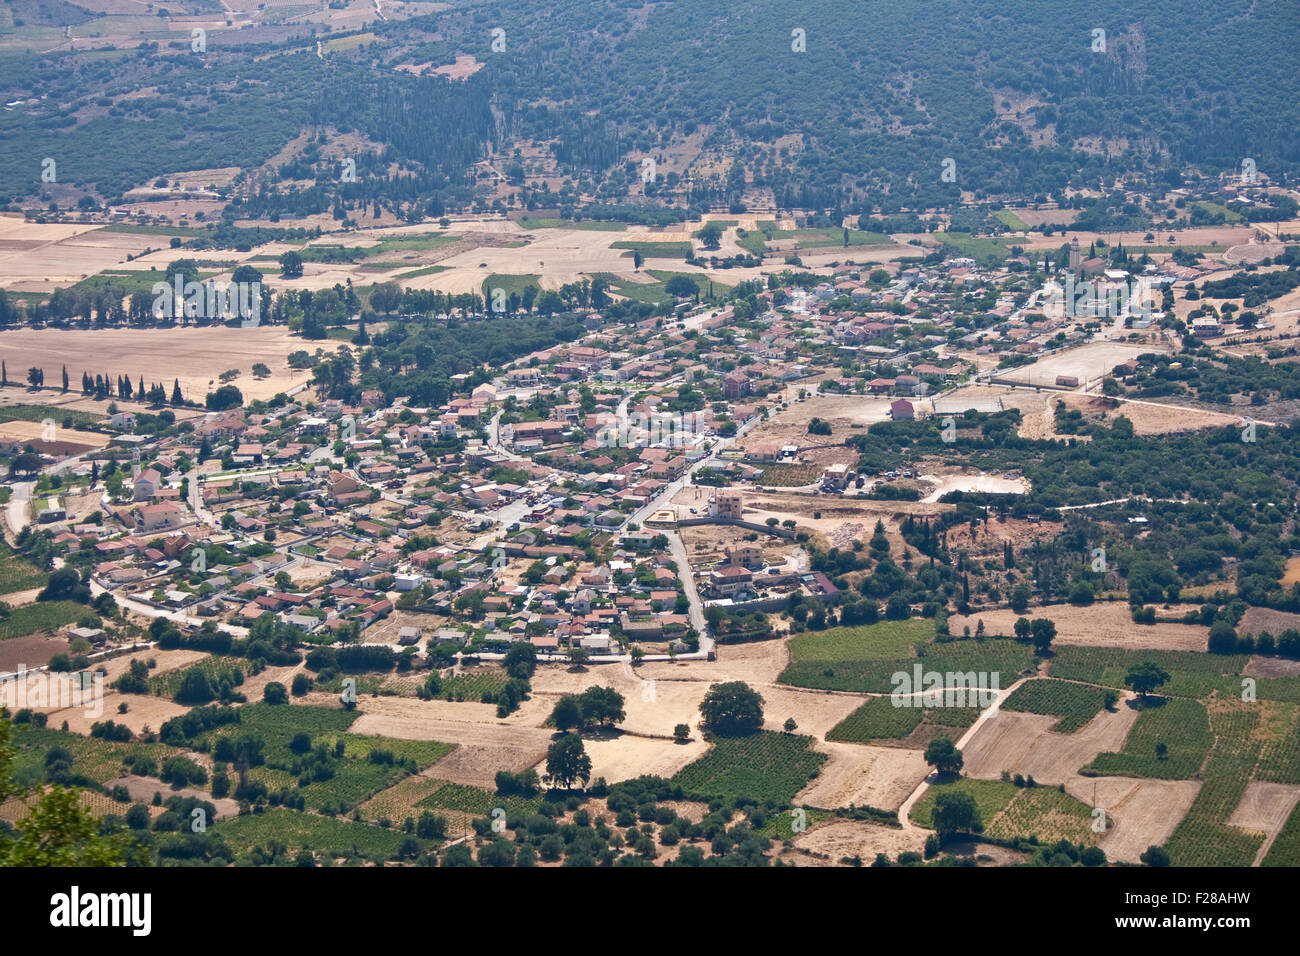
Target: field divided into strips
[(215, 668), (991, 798), (298, 830), (1045, 813), (1192, 673), (1008, 811), (1075, 704), (865, 658), (1203, 838), (762, 766), (93, 758), (1285, 850), (879, 721), (1181, 725)]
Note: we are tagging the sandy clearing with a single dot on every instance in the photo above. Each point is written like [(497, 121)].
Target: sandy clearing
[(857, 775), (625, 757), (1141, 812), (1265, 806), (1103, 624), (837, 839), (1087, 362)]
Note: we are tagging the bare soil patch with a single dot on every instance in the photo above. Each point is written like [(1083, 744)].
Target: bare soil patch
[(1104, 624), (857, 775)]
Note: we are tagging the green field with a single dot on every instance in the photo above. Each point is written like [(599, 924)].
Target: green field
[(214, 667), (864, 659), (426, 271), (762, 766), (1181, 725), (983, 250), (475, 801), (42, 616), (595, 225), (510, 283), (1010, 220), (882, 641), (656, 250), (991, 797), (1285, 850), (1045, 813), (1075, 704), (278, 724), (1192, 673), (37, 413), (1204, 838), (93, 758), (297, 830), (655, 292), (879, 720), (17, 573)]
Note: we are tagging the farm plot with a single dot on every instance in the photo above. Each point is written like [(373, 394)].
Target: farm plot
[(1204, 837), (1285, 850), (216, 669), (857, 775), (93, 758), (1181, 726), (878, 720), (278, 725), (1191, 674), (307, 830), (762, 766), (1045, 813), (1279, 735), (991, 798), (830, 666), (1075, 704), (1106, 624)]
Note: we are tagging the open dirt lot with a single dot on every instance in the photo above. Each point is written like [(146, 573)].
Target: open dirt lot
[(1106, 624), (625, 757), (790, 427), (33, 650), (837, 839), (880, 777), (1084, 363), (1265, 806), (195, 355)]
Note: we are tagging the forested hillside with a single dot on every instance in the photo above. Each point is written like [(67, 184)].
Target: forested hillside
[(1023, 98)]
